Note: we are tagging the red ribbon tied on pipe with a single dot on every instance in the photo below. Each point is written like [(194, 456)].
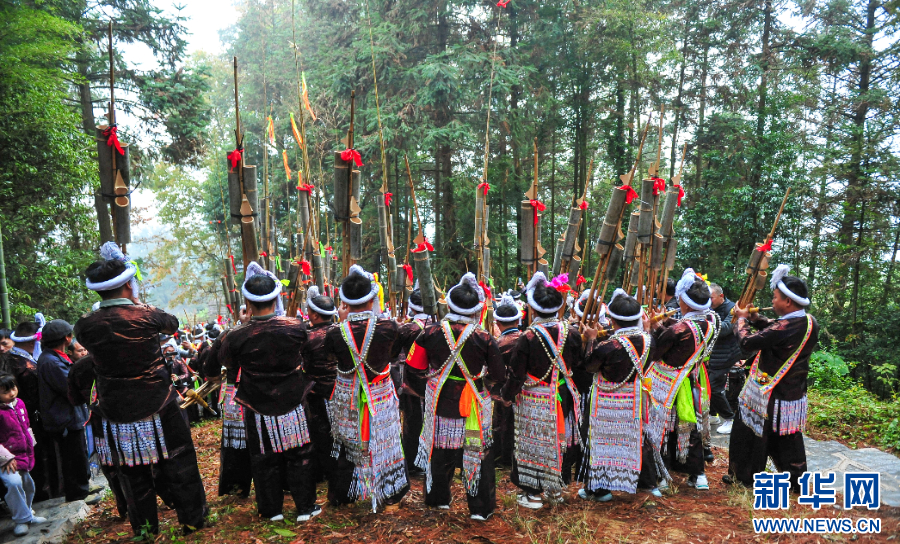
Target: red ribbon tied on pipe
[(235, 157), (765, 247), (537, 206), (387, 199), (348, 155), (484, 187), (680, 193), (580, 280), (306, 188), (233, 268), (631, 193), (659, 184), (424, 246), (409, 273), (305, 267), (263, 254), (112, 139), (503, 3), (583, 205)]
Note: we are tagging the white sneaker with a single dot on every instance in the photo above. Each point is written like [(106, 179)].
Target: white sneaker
[(306, 517), (700, 482), (21, 529), (479, 517), (279, 517), (443, 507), (530, 501), (37, 519), (582, 494), (663, 485), (725, 427), (656, 492), (715, 420)]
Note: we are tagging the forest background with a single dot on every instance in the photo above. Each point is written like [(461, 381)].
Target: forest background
[(766, 94)]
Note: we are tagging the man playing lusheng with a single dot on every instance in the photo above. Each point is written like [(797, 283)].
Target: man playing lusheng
[(773, 401), (144, 432)]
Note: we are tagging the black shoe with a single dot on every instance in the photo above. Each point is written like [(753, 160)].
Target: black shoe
[(728, 479), (708, 455)]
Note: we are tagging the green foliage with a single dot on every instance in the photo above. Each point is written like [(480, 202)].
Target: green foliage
[(854, 414), (829, 372)]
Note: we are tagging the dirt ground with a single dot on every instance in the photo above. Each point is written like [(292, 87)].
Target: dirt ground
[(683, 515)]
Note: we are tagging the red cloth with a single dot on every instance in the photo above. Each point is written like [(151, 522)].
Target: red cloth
[(351, 154), (233, 268), (306, 188), (235, 157), (680, 193), (112, 139), (263, 254), (537, 206), (409, 272), (229, 308), (765, 247), (583, 205), (659, 184), (580, 280), (424, 246), (503, 3), (387, 199), (305, 267), (418, 357), (632, 194), (484, 186)]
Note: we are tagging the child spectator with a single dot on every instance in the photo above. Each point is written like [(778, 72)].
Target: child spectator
[(16, 455)]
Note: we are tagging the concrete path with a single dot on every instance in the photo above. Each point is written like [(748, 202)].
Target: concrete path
[(61, 516), (830, 456)]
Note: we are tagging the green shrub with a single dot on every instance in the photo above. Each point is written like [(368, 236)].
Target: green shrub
[(829, 371)]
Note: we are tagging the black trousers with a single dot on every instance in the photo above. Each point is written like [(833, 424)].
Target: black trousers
[(73, 455), (570, 458), (694, 464), (504, 434), (718, 402), (46, 472), (648, 477), (412, 414), (444, 463), (747, 453), (324, 464), (273, 471), (178, 478), (112, 478), (235, 475)]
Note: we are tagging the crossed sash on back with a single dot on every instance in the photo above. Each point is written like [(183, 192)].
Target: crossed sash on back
[(476, 408), (613, 457), (754, 397), (542, 432), (365, 420)]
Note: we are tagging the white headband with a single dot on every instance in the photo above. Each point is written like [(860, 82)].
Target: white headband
[(254, 269), (539, 279), (507, 300), (468, 278), (418, 308), (359, 271), (110, 251), (36, 337), (312, 293), (776, 281), (687, 280), (621, 293), (584, 296)]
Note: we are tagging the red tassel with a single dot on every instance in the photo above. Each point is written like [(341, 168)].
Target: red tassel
[(235, 157), (233, 268), (583, 205), (305, 267), (409, 273), (112, 139), (632, 194), (765, 247), (484, 185), (229, 309), (659, 184), (387, 199), (580, 280), (263, 254), (306, 188), (219, 319), (351, 154), (537, 206)]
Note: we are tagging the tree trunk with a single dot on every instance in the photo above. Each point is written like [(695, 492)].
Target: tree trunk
[(678, 103), (701, 114), (822, 204), (890, 270)]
